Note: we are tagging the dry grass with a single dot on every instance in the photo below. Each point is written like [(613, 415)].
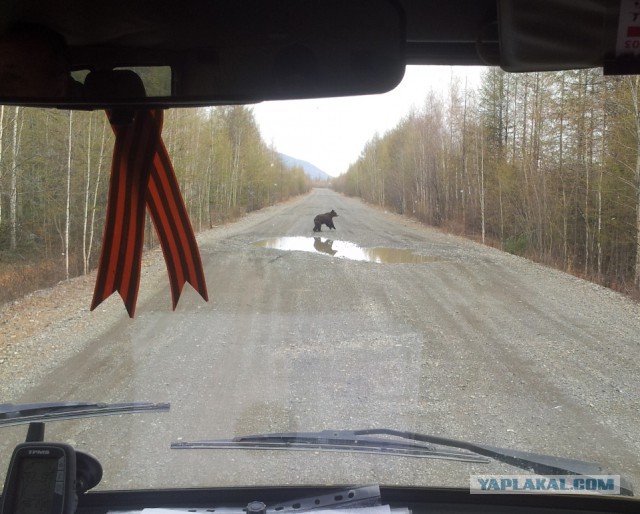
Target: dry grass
[(17, 280)]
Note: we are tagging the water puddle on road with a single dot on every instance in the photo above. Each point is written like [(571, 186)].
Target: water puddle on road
[(346, 250)]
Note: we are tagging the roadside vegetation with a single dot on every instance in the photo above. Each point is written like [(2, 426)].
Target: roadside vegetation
[(54, 181), (543, 165)]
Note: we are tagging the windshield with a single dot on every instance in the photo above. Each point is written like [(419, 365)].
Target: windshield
[(459, 257)]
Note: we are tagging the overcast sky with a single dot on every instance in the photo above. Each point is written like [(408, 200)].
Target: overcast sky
[(331, 133)]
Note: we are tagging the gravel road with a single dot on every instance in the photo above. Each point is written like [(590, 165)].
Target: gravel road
[(473, 344)]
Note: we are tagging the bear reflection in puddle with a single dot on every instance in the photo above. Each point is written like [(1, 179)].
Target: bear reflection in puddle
[(325, 246)]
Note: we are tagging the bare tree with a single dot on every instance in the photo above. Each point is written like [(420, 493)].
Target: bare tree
[(13, 189), (68, 206), (634, 84)]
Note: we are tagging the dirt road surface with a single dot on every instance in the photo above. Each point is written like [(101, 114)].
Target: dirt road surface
[(473, 344)]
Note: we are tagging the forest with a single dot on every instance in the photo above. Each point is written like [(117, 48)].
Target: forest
[(54, 182), (542, 165)]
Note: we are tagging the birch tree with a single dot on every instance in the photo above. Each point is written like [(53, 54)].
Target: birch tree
[(68, 205), (13, 188)]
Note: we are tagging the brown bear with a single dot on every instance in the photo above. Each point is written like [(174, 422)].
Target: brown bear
[(326, 219)]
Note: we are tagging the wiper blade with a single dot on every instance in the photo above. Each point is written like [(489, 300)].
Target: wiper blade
[(412, 444), (19, 414), (359, 441)]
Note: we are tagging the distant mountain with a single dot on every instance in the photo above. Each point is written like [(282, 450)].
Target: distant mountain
[(311, 171)]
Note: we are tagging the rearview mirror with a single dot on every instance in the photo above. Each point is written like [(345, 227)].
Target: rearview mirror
[(206, 52)]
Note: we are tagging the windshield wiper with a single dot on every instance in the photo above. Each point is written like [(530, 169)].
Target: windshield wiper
[(362, 441), (19, 414), (410, 444)]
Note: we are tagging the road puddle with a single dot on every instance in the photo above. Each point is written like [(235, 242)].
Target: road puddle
[(346, 250)]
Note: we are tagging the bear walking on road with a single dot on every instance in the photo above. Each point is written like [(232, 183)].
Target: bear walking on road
[(324, 219)]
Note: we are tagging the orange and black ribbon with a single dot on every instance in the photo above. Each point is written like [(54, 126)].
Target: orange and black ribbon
[(142, 175)]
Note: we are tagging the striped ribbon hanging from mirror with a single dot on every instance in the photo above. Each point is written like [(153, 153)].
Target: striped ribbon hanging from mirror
[(142, 176)]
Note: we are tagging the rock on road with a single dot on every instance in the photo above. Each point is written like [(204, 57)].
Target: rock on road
[(476, 345)]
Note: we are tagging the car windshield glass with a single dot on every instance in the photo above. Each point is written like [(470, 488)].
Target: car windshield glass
[(395, 284)]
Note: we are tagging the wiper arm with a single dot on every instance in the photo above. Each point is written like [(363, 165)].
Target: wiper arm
[(361, 441), (19, 414), (412, 444)]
